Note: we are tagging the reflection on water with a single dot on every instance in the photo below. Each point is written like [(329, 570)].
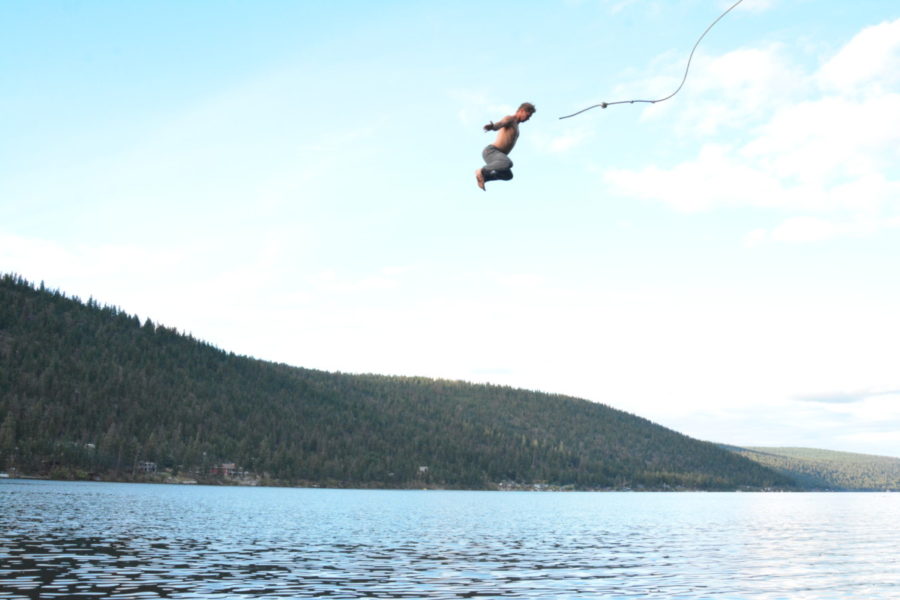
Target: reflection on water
[(87, 540)]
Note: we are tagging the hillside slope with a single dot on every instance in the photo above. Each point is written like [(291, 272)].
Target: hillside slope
[(829, 470), (87, 389)]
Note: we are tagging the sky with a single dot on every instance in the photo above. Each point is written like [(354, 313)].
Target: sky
[(294, 181)]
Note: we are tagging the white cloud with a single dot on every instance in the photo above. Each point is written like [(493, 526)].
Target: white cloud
[(863, 428), (868, 424), (558, 144), (565, 143), (523, 281), (875, 408), (331, 282), (846, 396), (825, 142), (752, 5), (716, 177), (618, 6), (177, 285), (814, 229), (870, 62), (804, 229), (731, 91), (830, 139), (68, 267)]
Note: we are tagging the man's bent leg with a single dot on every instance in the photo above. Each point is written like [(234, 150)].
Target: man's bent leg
[(497, 165), (495, 160)]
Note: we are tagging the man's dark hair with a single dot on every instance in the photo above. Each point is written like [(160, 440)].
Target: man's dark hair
[(529, 107)]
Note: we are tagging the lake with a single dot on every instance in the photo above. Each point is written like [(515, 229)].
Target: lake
[(108, 540)]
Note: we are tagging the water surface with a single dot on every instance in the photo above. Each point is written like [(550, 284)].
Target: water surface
[(104, 540)]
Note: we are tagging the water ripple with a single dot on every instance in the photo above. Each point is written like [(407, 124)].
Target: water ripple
[(116, 541)]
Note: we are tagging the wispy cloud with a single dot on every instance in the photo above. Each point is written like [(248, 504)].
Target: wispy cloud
[(562, 143), (846, 397)]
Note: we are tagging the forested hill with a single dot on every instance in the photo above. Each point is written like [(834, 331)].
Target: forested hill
[(88, 390), (830, 470)]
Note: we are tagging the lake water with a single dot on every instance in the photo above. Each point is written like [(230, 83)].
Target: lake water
[(106, 540)]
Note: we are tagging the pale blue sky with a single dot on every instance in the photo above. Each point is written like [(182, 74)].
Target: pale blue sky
[(295, 181)]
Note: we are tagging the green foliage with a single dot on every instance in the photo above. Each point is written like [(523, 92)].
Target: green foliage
[(90, 389), (830, 470)]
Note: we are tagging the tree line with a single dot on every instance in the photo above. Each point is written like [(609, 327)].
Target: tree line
[(830, 470), (90, 391)]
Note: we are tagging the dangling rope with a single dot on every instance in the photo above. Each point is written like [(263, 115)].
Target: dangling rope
[(683, 79)]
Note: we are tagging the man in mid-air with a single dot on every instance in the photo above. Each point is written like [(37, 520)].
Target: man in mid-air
[(497, 163)]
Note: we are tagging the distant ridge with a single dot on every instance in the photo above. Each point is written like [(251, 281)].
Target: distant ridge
[(829, 470), (88, 391)]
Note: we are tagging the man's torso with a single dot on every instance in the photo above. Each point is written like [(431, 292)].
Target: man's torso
[(507, 136)]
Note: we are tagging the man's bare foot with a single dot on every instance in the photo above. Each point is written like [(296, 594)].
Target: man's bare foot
[(479, 176)]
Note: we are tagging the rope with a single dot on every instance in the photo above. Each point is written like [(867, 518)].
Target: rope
[(683, 79)]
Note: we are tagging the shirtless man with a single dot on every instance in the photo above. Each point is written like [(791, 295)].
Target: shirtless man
[(498, 165)]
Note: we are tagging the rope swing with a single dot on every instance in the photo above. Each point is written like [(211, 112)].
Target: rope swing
[(683, 79)]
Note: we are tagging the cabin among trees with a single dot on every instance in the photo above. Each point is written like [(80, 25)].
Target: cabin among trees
[(226, 470)]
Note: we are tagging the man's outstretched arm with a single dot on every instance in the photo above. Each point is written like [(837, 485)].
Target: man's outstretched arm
[(504, 122)]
